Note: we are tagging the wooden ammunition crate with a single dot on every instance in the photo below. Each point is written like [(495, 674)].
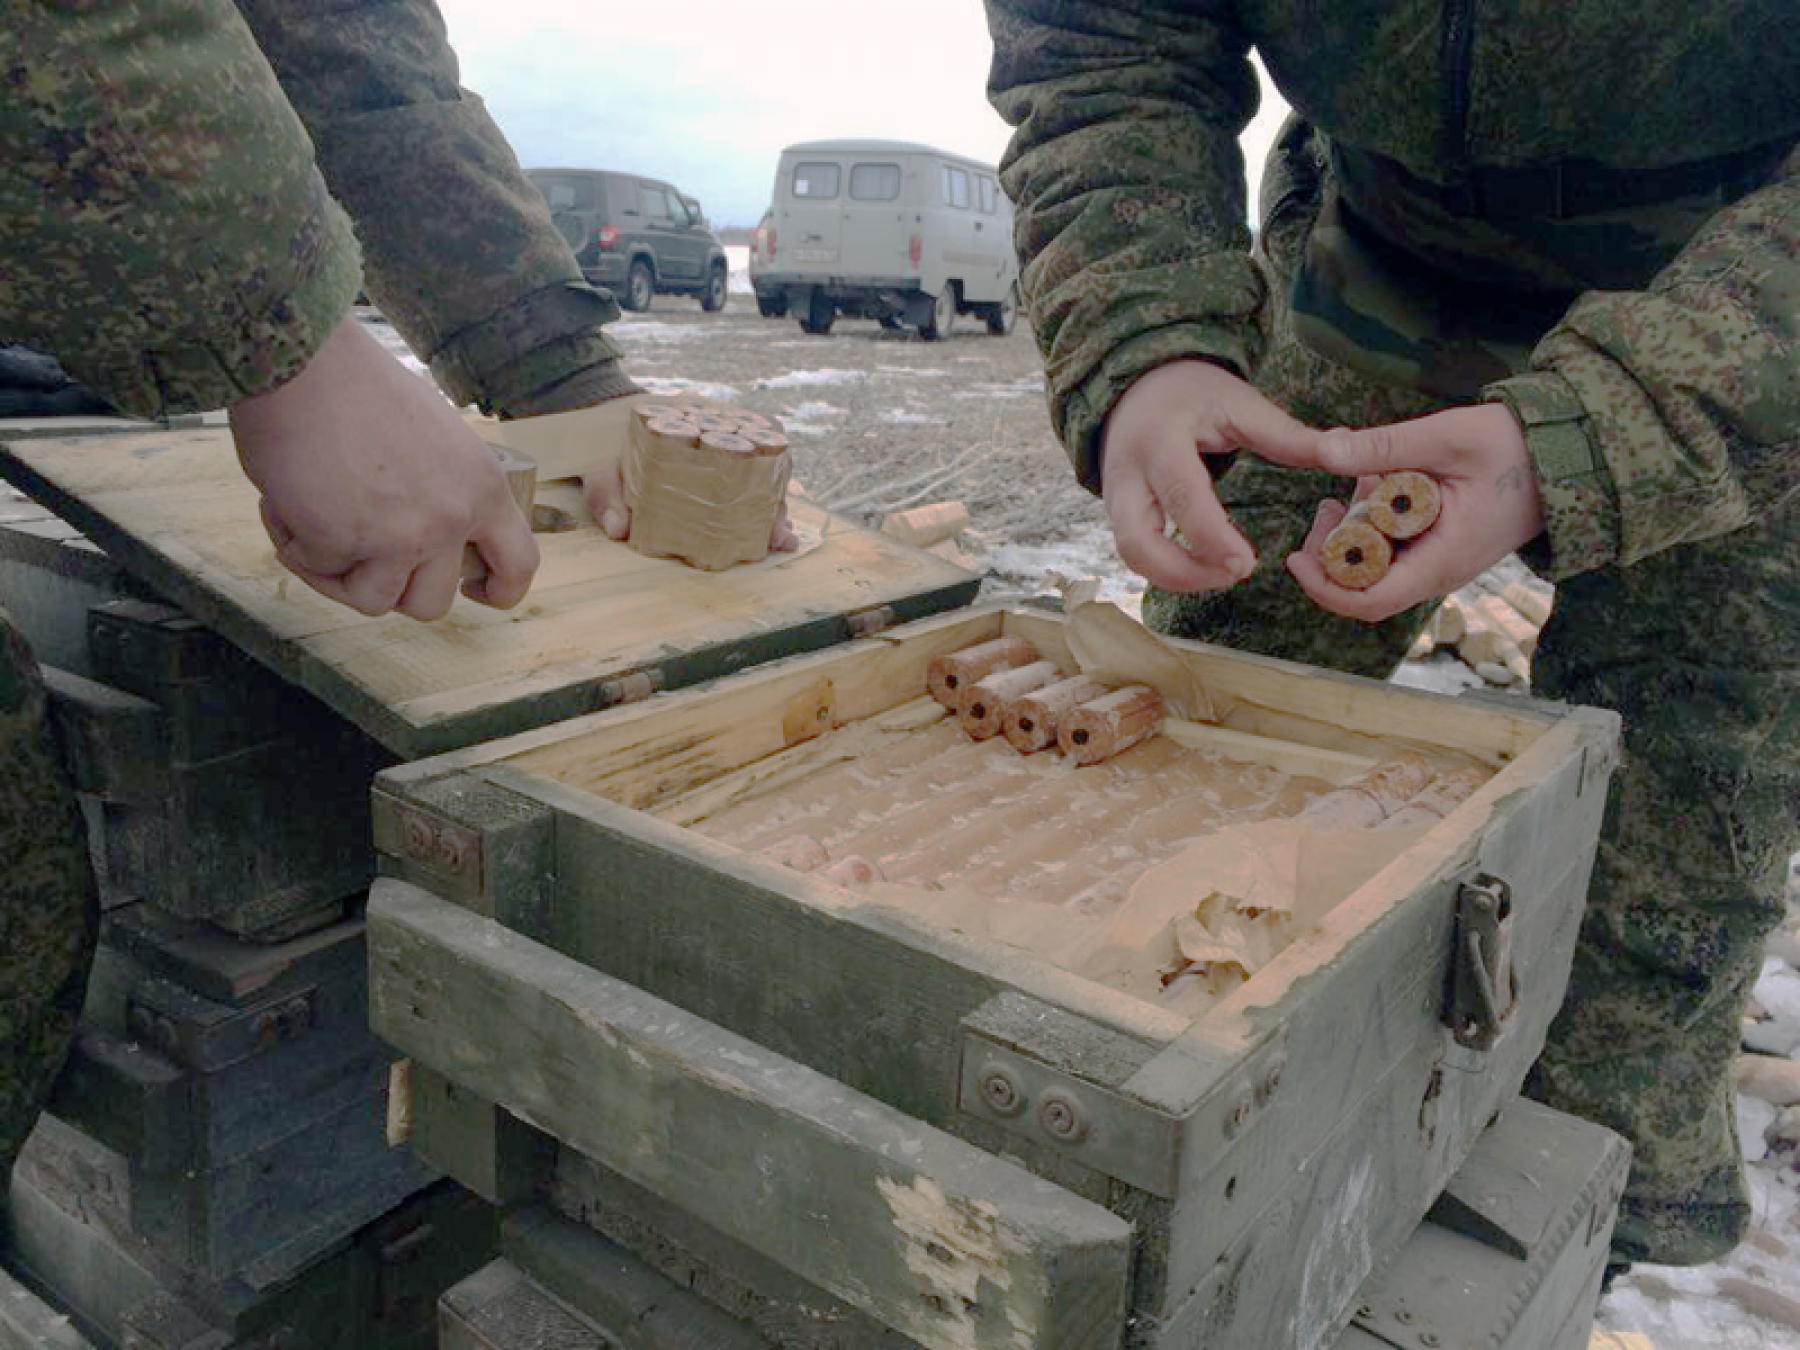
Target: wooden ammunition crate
[(242, 1091), (375, 1288), (213, 788), (962, 1140), (1510, 1258)]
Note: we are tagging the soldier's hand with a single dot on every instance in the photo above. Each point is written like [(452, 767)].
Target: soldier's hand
[(603, 488), (372, 483), (1154, 480), (1490, 505)]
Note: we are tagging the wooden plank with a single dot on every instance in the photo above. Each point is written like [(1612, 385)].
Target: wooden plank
[(1325, 708), (28, 1323), (114, 744), (940, 1240), (499, 1307), (788, 1311), (173, 507), (645, 1310)]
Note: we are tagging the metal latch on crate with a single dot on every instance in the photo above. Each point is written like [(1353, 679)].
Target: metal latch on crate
[(1482, 985), (1027, 1094)]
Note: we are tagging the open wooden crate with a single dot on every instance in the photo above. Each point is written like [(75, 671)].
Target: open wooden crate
[(968, 1142)]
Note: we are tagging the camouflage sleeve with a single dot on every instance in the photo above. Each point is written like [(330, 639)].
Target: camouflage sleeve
[(461, 252), (1129, 188), (1669, 415), (166, 234)]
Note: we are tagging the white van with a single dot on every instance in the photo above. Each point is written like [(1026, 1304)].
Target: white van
[(893, 231)]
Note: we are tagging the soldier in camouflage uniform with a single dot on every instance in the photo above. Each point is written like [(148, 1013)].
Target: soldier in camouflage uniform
[(1588, 220), (176, 240)]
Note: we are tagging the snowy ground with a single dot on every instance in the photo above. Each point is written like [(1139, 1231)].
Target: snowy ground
[(882, 421)]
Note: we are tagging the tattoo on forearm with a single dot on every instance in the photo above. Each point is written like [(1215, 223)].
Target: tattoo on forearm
[(1513, 480)]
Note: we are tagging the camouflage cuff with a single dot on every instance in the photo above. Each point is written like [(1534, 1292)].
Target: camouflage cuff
[(1580, 502), (529, 346), (1082, 418), (251, 352)]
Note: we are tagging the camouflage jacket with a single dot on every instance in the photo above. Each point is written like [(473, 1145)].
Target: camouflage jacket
[(1632, 181), (170, 234)]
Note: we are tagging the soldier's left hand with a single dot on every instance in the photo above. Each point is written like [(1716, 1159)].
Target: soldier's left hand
[(1490, 505)]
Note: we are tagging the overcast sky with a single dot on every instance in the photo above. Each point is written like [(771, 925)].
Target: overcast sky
[(705, 93)]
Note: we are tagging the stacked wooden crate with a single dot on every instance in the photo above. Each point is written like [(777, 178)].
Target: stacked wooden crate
[(217, 1160)]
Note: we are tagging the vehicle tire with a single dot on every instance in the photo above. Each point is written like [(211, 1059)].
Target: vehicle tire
[(943, 315), (712, 299), (1001, 317), (640, 285), (819, 316), (772, 306)]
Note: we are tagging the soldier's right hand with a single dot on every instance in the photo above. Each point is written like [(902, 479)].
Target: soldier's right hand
[(372, 484), (1153, 478)]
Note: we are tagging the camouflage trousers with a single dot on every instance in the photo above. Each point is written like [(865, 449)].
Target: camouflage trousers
[(49, 910), (1698, 649)]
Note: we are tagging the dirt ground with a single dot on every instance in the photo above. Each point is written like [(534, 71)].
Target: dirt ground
[(880, 421)]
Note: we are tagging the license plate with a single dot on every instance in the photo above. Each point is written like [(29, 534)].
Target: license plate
[(815, 255)]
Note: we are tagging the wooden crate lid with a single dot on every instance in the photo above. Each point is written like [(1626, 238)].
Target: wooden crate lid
[(173, 507)]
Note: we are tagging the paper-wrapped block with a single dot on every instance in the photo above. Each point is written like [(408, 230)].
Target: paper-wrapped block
[(701, 492)]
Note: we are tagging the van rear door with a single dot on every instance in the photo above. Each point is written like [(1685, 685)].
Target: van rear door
[(808, 227), (876, 225)]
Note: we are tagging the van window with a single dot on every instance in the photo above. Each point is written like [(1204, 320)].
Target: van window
[(874, 182), (956, 187), (990, 193), (565, 192), (816, 180)]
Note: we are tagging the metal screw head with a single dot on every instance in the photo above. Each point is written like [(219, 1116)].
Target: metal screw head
[(1428, 1338), (1062, 1117), (1000, 1090)]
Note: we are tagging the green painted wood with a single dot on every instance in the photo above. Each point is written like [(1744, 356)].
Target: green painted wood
[(127, 1097), (940, 1240), (114, 744), (28, 1323), (1312, 1152), (786, 1310), (1548, 1183), (790, 962), (462, 1135), (638, 1307), (499, 1307)]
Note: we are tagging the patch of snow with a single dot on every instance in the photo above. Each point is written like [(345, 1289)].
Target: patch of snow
[(900, 415), (1018, 570), (737, 258), (673, 386), (1017, 389), (800, 378), (653, 331)]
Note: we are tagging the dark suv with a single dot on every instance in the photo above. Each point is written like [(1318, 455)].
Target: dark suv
[(636, 236)]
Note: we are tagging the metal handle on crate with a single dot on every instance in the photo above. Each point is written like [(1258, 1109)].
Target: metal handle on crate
[(1483, 988)]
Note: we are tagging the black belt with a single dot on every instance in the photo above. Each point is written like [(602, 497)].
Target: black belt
[(1562, 189)]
